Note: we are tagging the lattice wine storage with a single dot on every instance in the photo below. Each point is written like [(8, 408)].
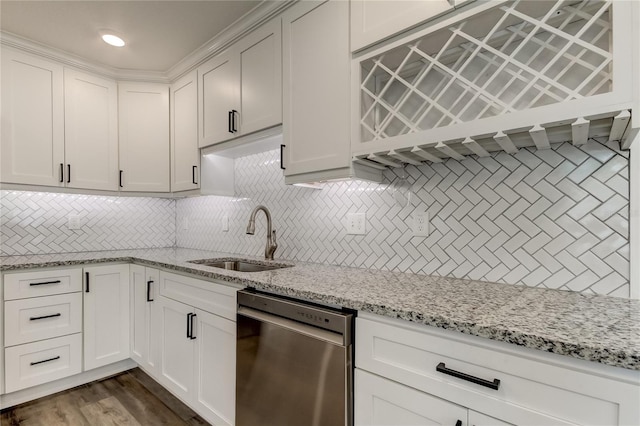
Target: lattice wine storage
[(504, 61)]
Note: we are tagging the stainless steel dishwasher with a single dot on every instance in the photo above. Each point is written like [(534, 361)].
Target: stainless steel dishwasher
[(293, 363)]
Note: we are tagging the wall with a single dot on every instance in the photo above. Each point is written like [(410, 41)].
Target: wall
[(36, 223), (555, 218)]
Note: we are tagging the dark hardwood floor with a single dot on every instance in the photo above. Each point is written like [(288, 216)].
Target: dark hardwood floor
[(130, 398)]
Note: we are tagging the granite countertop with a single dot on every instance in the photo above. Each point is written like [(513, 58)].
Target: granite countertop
[(594, 328)]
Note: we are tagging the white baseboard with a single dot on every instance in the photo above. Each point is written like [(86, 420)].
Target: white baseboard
[(25, 395)]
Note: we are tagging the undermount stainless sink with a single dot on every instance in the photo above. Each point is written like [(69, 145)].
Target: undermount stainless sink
[(240, 265)]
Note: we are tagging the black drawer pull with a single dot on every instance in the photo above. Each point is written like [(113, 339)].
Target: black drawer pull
[(230, 122), (45, 360), (61, 173), (192, 317), (44, 317), (149, 299), (193, 175), (68, 173), (46, 282), (189, 325), (86, 274), (234, 128), (495, 384), (120, 180)]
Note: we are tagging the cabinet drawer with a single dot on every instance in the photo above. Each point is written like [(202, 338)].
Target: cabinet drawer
[(530, 391), (211, 297), (41, 283), (36, 363), (39, 318), (379, 401)]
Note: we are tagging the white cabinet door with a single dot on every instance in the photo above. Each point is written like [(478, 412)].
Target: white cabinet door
[(91, 131), (215, 372), (375, 20), (316, 69), (379, 401), (143, 121), (106, 315), (479, 419), (218, 99), (185, 155), (32, 130), (261, 78), (145, 331), (177, 347)]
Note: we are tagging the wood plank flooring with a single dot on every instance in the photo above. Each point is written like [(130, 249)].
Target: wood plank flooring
[(130, 398)]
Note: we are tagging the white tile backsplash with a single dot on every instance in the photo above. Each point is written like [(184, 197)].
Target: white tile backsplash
[(37, 223), (556, 218)]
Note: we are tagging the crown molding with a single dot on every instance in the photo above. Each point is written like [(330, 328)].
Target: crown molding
[(260, 14), (71, 60)]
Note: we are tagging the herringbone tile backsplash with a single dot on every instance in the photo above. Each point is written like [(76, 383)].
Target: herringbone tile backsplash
[(557, 218), (37, 223), (554, 218)]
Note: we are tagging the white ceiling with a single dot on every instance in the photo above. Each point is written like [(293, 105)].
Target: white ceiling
[(158, 33)]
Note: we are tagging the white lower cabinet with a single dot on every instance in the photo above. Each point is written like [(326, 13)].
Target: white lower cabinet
[(42, 325), (402, 367), (106, 315), (144, 317), (381, 401), (197, 349)]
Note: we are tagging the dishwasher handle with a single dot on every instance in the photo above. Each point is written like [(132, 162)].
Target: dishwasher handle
[(291, 325)]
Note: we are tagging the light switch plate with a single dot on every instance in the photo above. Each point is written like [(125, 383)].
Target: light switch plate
[(421, 224), (356, 223), (74, 222)]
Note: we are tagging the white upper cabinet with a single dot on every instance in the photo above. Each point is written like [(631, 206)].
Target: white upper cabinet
[(143, 110), (498, 76), (219, 98), (261, 78), (185, 155), (32, 146), (375, 20), (91, 131), (316, 86), (240, 90)]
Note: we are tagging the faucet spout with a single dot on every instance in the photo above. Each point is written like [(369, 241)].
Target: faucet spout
[(271, 233)]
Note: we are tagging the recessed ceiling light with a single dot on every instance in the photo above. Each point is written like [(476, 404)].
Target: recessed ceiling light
[(113, 40)]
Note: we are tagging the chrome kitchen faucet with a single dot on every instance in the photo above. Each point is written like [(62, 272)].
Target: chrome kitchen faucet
[(271, 234)]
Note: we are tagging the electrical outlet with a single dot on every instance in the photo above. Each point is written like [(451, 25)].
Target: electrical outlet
[(74, 221), (225, 223), (356, 223), (421, 224)]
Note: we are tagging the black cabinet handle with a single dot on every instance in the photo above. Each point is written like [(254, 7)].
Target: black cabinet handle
[(68, 173), (193, 174), (189, 325), (61, 172), (45, 360), (495, 384), (86, 276), (192, 317), (44, 317), (234, 128), (459, 423), (149, 299), (230, 122), (120, 179), (46, 282), (282, 157)]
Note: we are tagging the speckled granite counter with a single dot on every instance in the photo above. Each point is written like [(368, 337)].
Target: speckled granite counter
[(594, 328)]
